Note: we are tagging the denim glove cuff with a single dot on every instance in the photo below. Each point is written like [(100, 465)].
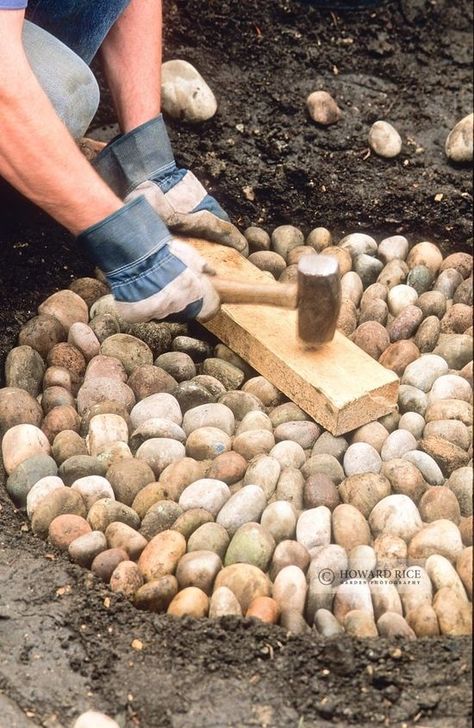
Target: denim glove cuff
[(126, 238), (133, 158)]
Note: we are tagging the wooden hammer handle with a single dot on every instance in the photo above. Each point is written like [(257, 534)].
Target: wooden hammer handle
[(271, 294)]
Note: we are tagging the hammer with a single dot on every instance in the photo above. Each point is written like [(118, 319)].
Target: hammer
[(316, 295)]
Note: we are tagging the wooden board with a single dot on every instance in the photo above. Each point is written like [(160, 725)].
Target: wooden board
[(339, 385)]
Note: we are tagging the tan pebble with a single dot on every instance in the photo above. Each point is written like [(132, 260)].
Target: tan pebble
[(364, 491), (93, 719), (105, 430), (54, 397), (440, 537), (162, 554), (449, 409), (149, 379), (342, 256), (447, 455), (264, 609), (359, 624), (42, 333), (351, 287), (246, 581), (158, 453), (119, 535), (83, 338), (106, 562), (399, 355), (466, 529), (67, 307), (459, 146), (391, 551), (320, 490), (423, 621), (89, 289), (385, 597), (326, 624), (372, 338), (63, 417), (199, 569), (385, 140), (224, 603), (462, 262), (374, 433), (21, 442), (179, 474), (464, 569), (289, 553), (437, 502), (426, 254), (443, 574), (106, 366), (405, 324), (106, 510), (290, 588), (347, 320), (322, 108), (391, 624), (64, 529), (266, 392), (454, 613), (405, 478), (18, 407), (101, 389), (67, 356), (319, 238), (190, 602), (156, 595), (351, 595), (148, 496), (92, 488), (349, 526), (395, 514), (393, 273), (297, 253), (253, 443), (113, 453), (126, 579), (229, 467)]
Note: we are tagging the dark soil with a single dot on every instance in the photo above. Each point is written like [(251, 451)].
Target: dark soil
[(409, 62)]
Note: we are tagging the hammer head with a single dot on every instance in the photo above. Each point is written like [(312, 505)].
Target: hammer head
[(319, 298)]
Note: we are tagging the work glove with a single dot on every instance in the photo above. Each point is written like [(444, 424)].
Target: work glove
[(151, 275), (141, 162)]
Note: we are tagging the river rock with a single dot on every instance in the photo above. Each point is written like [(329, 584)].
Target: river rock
[(457, 320), (253, 443), (263, 471), (359, 624), (405, 324), (464, 569), (160, 517), (119, 535), (255, 420), (413, 423), (391, 625), (385, 140), (454, 613), (251, 544), (161, 555), (456, 349), (186, 95), (65, 528), (100, 389), (279, 519), (148, 379), (449, 409), (359, 244), (85, 548), (209, 415), (106, 510), (385, 597), (447, 283), (156, 428), (180, 474), (241, 403), (230, 467), (257, 238), (56, 397), (412, 399), (423, 372), (352, 287), (79, 466), (244, 506), (205, 493), (67, 356), (375, 311), (397, 444), (289, 589), (322, 108), (104, 325), (349, 526), (288, 412), (161, 405), (290, 487), (289, 553), (42, 333), (350, 595), (126, 579), (347, 319), (361, 457), (451, 430), (58, 502), (395, 514), (363, 559), (40, 490), (191, 520), (399, 297), (326, 624), (320, 490), (22, 442), (206, 443), (94, 719), (447, 455), (326, 464), (24, 369), (439, 537), (393, 273), (224, 603), (209, 537), (156, 595), (342, 256), (458, 145), (29, 472), (177, 364), (313, 527), (450, 386), (192, 394), (67, 307), (427, 334), (289, 454), (432, 303), (93, 488), (462, 262), (372, 338), (368, 268), (245, 581), (285, 238), (364, 491), (18, 407), (264, 609), (443, 575), (374, 434), (439, 502), (460, 483), (393, 248), (159, 452), (423, 621), (225, 372), (198, 569), (428, 467), (267, 260), (106, 562)]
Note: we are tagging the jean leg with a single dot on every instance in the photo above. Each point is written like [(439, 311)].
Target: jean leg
[(65, 78), (81, 24)]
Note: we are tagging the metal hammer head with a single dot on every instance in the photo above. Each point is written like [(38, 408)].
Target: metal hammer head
[(319, 298)]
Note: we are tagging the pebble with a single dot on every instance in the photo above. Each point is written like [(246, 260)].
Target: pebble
[(268, 260), (405, 324), (385, 140), (289, 553), (67, 307), (414, 423), (206, 443), (24, 369), (22, 442), (352, 594), (18, 407), (350, 528), (423, 621), (177, 364), (101, 389), (326, 624), (393, 273), (229, 375), (83, 338), (398, 355), (423, 372), (447, 282), (209, 415), (255, 420), (106, 366), (156, 595), (439, 502), (185, 94), (67, 356), (264, 390), (106, 510), (290, 588), (105, 430), (393, 248), (263, 471), (289, 454), (78, 466), (439, 537), (230, 467), (458, 145), (396, 515), (288, 412), (352, 287), (450, 409), (126, 579), (253, 443), (161, 405), (432, 303), (119, 535), (342, 256), (364, 491), (279, 520), (191, 394), (399, 297), (330, 445), (455, 349), (375, 311), (313, 527), (160, 517), (211, 537), (149, 379), (29, 472), (368, 268), (447, 455), (322, 108), (398, 443), (89, 289), (205, 493), (320, 490), (40, 490), (362, 558), (374, 434), (454, 613), (359, 624), (94, 719), (246, 582), (385, 597), (58, 502), (420, 278), (360, 457), (224, 603), (156, 428), (56, 397), (443, 575), (180, 474), (359, 244), (161, 555), (428, 467), (457, 320), (198, 569), (347, 319), (106, 562), (303, 433), (393, 625), (454, 431), (285, 238), (190, 521), (464, 569), (62, 417), (93, 488), (42, 333), (195, 348), (257, 238), (264, 609), (251, 544), (372, 338), (462, 262), (427, 334), (85, 548), (104, 325), (159, 452), (460, 483), (326, 464), (412, 399), (65, 528), (319, 238), (244, 506)]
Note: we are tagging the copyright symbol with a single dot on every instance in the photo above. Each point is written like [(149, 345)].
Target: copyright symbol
[(326, 576)]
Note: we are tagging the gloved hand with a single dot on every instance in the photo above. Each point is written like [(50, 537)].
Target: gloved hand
[(151, 275), (141, 162)]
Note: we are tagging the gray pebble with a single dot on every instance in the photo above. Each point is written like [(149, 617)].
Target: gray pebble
[(24, 369), (178, 364)]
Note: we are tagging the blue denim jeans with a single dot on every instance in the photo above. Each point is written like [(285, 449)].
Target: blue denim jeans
[(61, 37)]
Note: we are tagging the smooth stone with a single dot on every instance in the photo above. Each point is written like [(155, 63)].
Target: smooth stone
[(257, 238), (319, 238), (385, 597), (342, 256), (119, 535), (374, 292), (161, 555), (458, 145), (251, 544), (460, 483), (412, 399), (359, 624), (443, 575), (423, 621), (205, 493), (372, 338), (358, 244), (209, 415), (89, 289), (364, 491), (428, 467), (195, 348), (211, 537), (128, 349), (393, 625), (439, 502), (375, 311), (313, 527), (148, 379), (464, 569), (180, 474), (264, 390), (160, 517), (126, 579), (289, 553), (391, 552), (101, 389), (349, 527), (289, 454), (106, 562), (241, 403), (223, 352), (290, 588), (93, 488), (290, 487), (246, 581), (156, 595), (230, 467), (106, 510), (427, 334), (322, 108), (268, 260), (186, 95), (423, 372), (83, 338), (360, 457), (67, 356), (285, 238), (454, 431), (40, 490), (104, 325), (432, 303), (58, 502), (279, 519), (55, 397), (265, 609), (85, 548), (253, 443), (326, 464), (415, 588), (191, 394), (62, 417), (263, 471), (18, 407), (159, 452), (393, 248), (397, 444), (61, 377), (420, 278), (385, 140), (374, 433), (455, 349), (462, 262), (191, 520), (448, 456), (464, 293), (198, 569), (449, 409), (178, 365), (362, 559), (25, 476), (405, 324), (67, 307), (115, 452), (79, 466), (94, 719), (439, 537), (447, 282), (230, 376), (399, 297), (287, 412), (41, 333), (367, 268), (326, 624), (255, 420), (454, 614), (398, 355), (347, 319), (224, 603), (457, 320), (426, 254), (352, 287), (24, 369), (467, 373), (206, 443), (156, 428), (22, 442), (413, 423), (157, 336), (105, 430), (350, 595), (65, 528), (161, 405), (247, 505), (328, 565), (320, 490), (397, 515)]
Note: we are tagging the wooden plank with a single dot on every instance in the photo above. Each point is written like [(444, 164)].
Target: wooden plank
[(339, 385)]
